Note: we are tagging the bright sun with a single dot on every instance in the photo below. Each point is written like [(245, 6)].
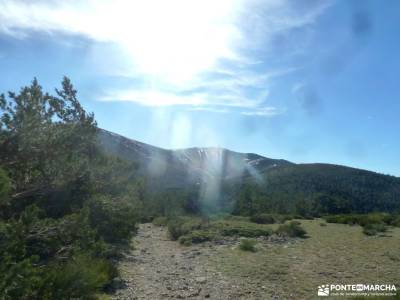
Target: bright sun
[(175, 39), (171, 39)]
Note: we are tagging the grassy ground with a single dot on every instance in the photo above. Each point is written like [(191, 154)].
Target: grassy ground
[(333, 254)]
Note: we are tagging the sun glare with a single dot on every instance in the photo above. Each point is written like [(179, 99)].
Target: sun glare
[(173, 40)]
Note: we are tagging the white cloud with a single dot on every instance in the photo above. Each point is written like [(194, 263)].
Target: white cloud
[(210, 109), (165, 98), (263, 112), (190, 52)]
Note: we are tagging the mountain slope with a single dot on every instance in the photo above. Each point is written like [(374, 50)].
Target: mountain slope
[(249, 183), (323, 188), (179, 168)]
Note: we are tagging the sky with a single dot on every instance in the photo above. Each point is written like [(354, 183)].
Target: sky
[(303, 80)]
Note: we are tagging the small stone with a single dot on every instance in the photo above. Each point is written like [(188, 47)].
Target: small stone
[(201, 279)]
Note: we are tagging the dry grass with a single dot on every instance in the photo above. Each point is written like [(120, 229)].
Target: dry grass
[(335, 253)]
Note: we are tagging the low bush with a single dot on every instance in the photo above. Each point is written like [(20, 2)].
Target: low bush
[(233, 218), (373, 229), (79, 278), (182, 225), (190, 230), (361, 219), (244, 229), (395, 221), (160, 221), (372, 223), (272, 218), (292, 229), (114, 220), (284, 218), (196, 237), (263, 219), (248, 245), (175, 228)]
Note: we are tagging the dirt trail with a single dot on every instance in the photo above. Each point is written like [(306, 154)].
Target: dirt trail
[(159, 268)]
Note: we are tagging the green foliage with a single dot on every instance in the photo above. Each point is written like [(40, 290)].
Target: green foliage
[(160, 221), (263, 219), (313, 190), (271, 218), (114, 221), (395, 220), (248, 245), (193, 230), (372, 223), (291, 229), (179, 226), (81, 277), (245, 229), (361, 219), (5, 187), (374, 228), (66, 207), (196, 237)]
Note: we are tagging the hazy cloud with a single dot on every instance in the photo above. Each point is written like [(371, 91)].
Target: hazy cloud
[(263, 112), (196, 53)]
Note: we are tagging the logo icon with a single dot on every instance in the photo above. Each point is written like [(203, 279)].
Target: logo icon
[(360, 287), (323, 290)]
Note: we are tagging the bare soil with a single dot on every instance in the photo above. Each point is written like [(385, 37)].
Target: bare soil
[(159, 268)]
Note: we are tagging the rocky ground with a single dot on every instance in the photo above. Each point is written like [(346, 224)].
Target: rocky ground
[(282, 268), (159, 268)]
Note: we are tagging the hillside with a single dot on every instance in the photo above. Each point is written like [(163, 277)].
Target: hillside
[(180, 168), (248, 183)]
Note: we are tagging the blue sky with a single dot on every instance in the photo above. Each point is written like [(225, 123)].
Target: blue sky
[(307, 81)]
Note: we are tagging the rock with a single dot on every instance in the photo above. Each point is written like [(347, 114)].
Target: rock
[(201, 279), (117, 283), (195, 293)]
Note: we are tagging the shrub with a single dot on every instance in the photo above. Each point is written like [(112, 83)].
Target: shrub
[(244, 229), (248, 245), (372, 223), (322, 224), (45, 264), (395, 221), (175, 228), (292, 229), (182, 225), (5, 187), (263, 219), (196, 237), (362, 220), (236, 218), (113, 219), (373, 229), (284, 218), (79, 278), (160, 221), (273, 218)]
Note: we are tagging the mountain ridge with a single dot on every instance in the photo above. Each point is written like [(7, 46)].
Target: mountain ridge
[(194, 163), (254, 156), (245, 183)]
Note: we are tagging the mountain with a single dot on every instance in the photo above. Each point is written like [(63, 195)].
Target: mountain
[(271, 184), (179, 168)]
